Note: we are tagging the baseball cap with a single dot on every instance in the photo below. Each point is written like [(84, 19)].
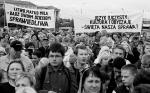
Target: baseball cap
[(17, 45)]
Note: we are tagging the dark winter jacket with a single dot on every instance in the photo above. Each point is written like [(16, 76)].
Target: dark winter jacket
[(60, 81), (143, 77)]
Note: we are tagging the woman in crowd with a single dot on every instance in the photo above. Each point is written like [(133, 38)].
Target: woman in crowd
[(128, 52), (36, 57), (92, 81), (116, 38), (6, 36), (25, 79), (35, 40), (41, 36), (14, 69), (103, 62)]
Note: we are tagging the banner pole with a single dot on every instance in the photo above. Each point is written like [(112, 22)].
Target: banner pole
[(5, 14)]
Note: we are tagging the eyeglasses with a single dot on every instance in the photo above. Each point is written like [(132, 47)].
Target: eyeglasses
[(56, 56)]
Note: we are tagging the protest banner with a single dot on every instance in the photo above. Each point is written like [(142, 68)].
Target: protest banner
[(118, 22), (40, 18)]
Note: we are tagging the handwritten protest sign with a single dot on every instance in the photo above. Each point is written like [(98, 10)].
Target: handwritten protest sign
[(112, 23), (40, 18)]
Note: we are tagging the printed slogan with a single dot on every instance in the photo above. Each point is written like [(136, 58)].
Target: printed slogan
[(111, 23), (40, 18)]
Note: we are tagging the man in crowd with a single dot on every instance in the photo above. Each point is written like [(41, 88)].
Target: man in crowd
[(119, 51), (45, 48), (128, 73), (115, 79), (82, 54), (57, 77), (117, 61), (82, 62)]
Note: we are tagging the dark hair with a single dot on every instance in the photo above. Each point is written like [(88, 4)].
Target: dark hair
[(116, 35), (132, 68), (27, 45), (95, 72), (79, 47), (37, 53), (57, 47), (19, 62), (17, 45), (142, 88), (119, 62), (4, 34)]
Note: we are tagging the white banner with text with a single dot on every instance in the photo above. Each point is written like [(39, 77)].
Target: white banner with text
[(40, 18), (118, 22)]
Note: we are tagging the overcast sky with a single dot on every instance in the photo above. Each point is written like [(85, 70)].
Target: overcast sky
[(75, 7)]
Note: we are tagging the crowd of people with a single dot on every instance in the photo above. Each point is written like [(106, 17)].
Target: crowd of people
[(38, 61)]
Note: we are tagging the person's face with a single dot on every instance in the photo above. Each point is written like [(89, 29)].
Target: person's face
[(32, 32), (27, 40), (92, 84), (65, 46), (7, 36), (23, 82), (41, 35), (103, 33), (147, 49), (35, 59), (118, 53), (105, 60), (126, 47), (14, 70), (140, 48), (115, 37), (127, 77), (51, 40), (55, 58), (117, 73), (3, 42), (45, 42), (34, 38), (145, 65), (82, 56)]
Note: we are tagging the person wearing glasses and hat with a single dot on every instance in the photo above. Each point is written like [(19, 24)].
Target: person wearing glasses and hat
[(14, 54)]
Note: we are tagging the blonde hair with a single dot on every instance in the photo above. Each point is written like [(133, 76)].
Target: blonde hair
[(27, 75), (26, 90), (104, 52)]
